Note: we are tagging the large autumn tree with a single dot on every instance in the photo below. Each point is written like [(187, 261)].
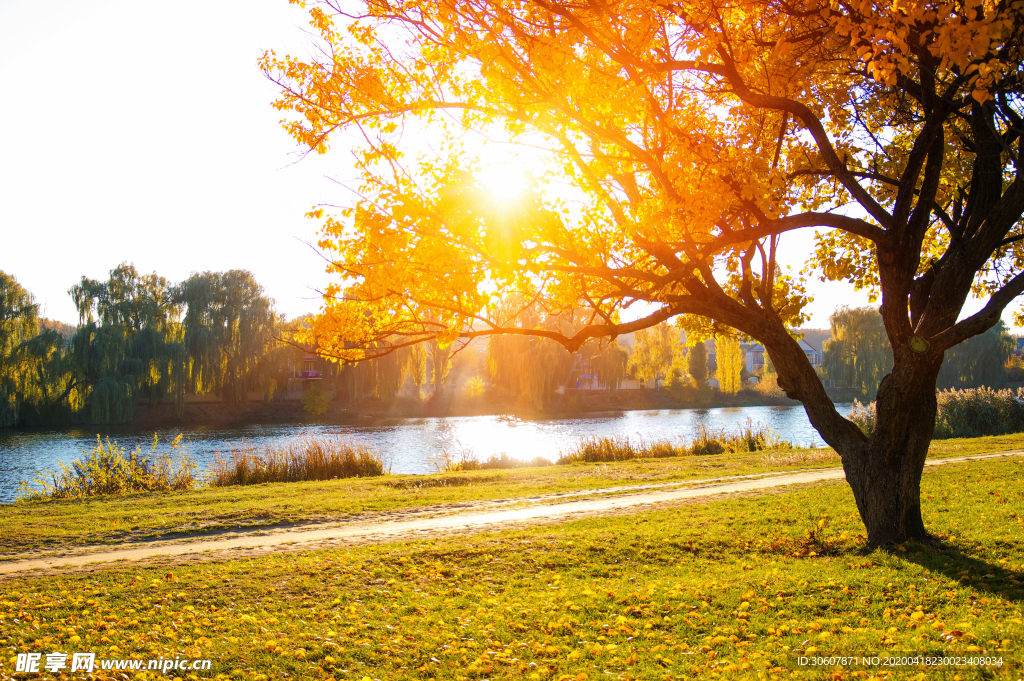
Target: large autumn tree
[(694, 135)]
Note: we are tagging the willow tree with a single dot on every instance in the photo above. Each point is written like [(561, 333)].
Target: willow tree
[(440, 356), (858, 355), (387, 374), (128, 345), (19, 322), (127, 299), (530, 369), (610, 364), (695, 136), (697, 364), (228, 327), (48, 380), (978, 361), (524, 366), (652, 352), (418, 367)]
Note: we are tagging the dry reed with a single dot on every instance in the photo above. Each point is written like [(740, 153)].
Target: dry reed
[(706, 442), (466, 460), (603, 449), (313, 458)]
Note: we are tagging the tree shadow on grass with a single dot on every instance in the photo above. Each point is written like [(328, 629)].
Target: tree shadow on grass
[(977, 573)]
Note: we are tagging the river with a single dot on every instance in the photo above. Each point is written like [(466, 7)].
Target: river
[(409, 444)]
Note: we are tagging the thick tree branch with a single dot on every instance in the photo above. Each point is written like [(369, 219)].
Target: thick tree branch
[(768, 226), (984, 319), (811, 122)]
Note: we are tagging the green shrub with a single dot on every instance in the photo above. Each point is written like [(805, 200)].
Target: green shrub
[(768, 387), (315, 400), (314, 458), (105, 470)]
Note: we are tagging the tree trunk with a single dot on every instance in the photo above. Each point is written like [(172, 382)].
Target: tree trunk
[(885, 472)]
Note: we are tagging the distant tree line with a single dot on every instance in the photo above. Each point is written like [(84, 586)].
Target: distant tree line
[(859, 355), (533, 369), (523, 369), (662, 356), (144, 339), (139, 338)]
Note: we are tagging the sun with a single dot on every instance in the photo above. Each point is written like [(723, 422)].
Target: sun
[(504, 181)]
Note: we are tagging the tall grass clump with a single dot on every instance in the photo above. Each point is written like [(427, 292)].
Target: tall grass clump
[(974, 412), (445, 462), (706, 442), (864, 416), (979, 411), (503, 460), (462, 458), (755, 437), (750, 437), (604, 449), (454, 460), (106, 470), (313, 458)]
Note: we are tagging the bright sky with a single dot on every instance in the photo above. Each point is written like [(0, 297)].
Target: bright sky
[(143, 132)]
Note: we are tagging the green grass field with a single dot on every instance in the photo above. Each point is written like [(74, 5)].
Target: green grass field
[(728, 588), (52, 525)]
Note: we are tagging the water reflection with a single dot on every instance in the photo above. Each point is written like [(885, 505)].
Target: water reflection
[(410, 443)]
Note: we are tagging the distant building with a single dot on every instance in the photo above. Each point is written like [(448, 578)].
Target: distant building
[(754, 355), (308, 377), (813, 354)]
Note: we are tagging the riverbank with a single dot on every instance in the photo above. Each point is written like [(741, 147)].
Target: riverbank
[(741, 587), (575, 404), (410, 444), (446, 520), (49, 525), (54, 525)]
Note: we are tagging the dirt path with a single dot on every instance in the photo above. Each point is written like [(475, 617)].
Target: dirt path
[(429, 522)]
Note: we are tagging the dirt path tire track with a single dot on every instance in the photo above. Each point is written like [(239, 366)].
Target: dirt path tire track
[(423, 524)]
